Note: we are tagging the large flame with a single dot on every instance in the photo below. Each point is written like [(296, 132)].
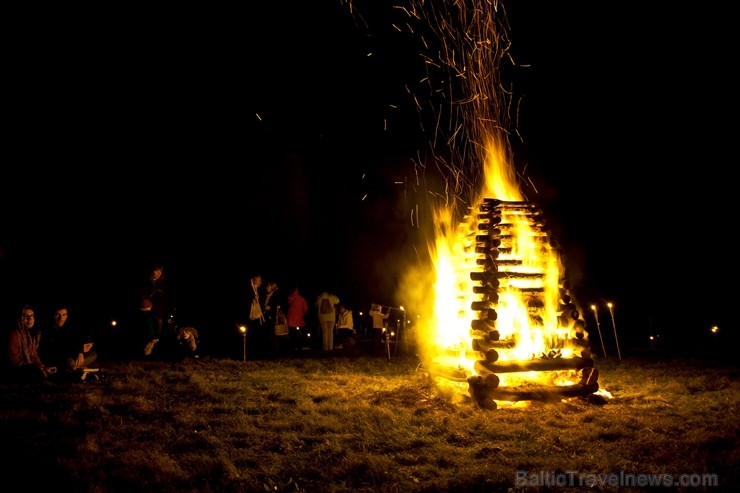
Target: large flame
[(536, 327), (529, 306)]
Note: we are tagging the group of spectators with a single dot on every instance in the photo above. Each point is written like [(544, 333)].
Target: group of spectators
[(57, 350), (62, 347), (59, 347)]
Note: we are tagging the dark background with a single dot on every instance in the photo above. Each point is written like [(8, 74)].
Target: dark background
[(280, 139)]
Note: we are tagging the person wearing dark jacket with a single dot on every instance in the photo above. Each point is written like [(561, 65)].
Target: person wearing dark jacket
[(66, 345)]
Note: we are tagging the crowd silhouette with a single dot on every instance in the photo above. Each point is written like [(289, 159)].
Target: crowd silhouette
[(55, 341)]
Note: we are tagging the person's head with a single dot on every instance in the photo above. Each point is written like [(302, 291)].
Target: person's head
[(28, 317), (257, 280), (272, 286), (61, 312), (146, 305), (157, 271)]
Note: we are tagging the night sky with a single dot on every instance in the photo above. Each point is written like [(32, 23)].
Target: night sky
[(281, 138)]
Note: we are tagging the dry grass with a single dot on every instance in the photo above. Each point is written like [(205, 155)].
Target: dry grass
[(359, 424)]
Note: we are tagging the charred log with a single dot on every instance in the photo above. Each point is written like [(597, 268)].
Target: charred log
[(488, 241), (483, 325), (535, 365), (484, 305), (544, 394)]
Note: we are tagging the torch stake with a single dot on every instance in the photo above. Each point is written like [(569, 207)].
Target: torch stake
[(388, 344), (243, 330), (611, 312), (598, 327)]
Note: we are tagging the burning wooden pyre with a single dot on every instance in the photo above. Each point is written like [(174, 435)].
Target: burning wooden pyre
[(527, 338)]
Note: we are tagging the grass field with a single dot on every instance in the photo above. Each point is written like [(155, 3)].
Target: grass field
[(366, 424)]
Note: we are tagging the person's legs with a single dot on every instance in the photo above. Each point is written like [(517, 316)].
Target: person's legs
[(327, 335)]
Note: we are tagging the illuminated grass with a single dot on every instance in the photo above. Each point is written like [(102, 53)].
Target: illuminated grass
[(364, 424)]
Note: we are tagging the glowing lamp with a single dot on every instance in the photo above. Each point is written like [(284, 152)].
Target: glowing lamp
[(243, 330)]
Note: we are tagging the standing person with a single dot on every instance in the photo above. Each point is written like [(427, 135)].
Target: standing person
[(379, 320), (23, 362), (296, 317), (66, 345), (155, 289), (326, 305), (256, 315), (144, 331), (345, 328), (271, 307)]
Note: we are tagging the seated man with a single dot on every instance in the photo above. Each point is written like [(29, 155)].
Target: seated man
[(67, 346), (345, 328)]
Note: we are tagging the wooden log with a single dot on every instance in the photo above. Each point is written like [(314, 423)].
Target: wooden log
[(486, 290), (505, 344), (518, 275), (580, 343), (486, 276), (553, 364), (490, 226), (489, 262), (492, 336), (486, 215), (490, 380), (509, 262), (535, 234), (480, 306), (483, 325), (512, 204), (532, 290), (480, 393), (487, 249), (489, 204), (488, 241), (542, 394), (482, 345)]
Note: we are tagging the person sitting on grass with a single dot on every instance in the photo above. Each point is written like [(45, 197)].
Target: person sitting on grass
[(345, 328), (23, 363), (66, 346), (187, 338)]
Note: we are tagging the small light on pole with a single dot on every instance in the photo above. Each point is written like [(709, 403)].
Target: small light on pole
[(400, 326), (243, 330), (598, 327), (611, 312)]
